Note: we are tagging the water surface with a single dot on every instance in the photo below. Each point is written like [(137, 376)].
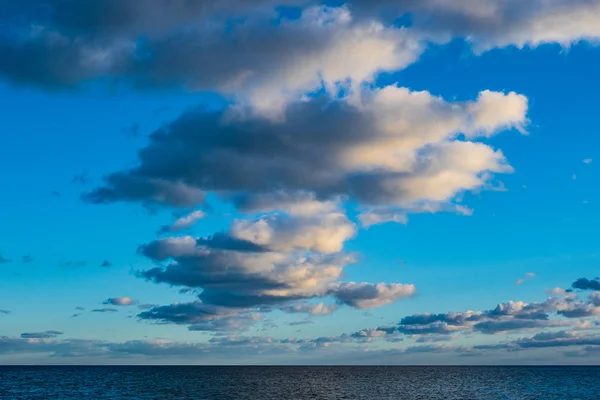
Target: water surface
[(276, 383)]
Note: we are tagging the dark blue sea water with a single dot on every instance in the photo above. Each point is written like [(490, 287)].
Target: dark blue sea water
[(266, 383)]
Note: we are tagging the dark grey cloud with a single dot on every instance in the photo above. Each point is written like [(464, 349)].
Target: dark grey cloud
[(104, 310), (594, 299), (546, 340), (493, 327), (222, 241), (41, 335), (186, 313), (27, 259), (5, 312), (455, 318), (82, 41), (580, 310), (434, 338), (506, 317), (79, 308), (106, 264), (228, 158), (586, 284), (134, 17), (203, 317), (298, 323), (368, 295)]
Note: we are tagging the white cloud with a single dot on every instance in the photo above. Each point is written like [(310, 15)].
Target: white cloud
[(325, 233), (528, 276), (311, 309)]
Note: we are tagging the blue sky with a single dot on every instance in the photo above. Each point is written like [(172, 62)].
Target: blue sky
[(274, 131)]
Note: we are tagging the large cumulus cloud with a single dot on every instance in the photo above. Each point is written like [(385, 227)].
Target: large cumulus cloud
[(387, 147), (276, 261), (194, 44)]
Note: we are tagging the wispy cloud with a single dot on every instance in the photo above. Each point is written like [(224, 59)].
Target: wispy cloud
[(528, 276), (105, 310)]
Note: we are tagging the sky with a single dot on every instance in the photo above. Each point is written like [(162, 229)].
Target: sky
[(299, 182)]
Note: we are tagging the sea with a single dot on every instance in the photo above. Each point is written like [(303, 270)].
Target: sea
[(277, 383)]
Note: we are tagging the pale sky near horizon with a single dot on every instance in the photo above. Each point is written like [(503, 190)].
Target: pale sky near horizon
[(299, 182)]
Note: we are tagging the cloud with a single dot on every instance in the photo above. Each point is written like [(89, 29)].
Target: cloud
[(41, 335), (375, 217), (549, 339), (4, 260), (579, 310), (528, 276), (557, 292), (259, 61), (202, 317), (5, 312), (105, 310), (274, 261), (388, 147), (587, 161), (236, 323), (27, 259), (106, 264), (310, 309), (298, 323), (368, 295), (513, 324), (586, 284), (594, 298), (120, 301), (490, 24), (325, 233), (268, 58), (434, 338), (506, 317), (184, 222)]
